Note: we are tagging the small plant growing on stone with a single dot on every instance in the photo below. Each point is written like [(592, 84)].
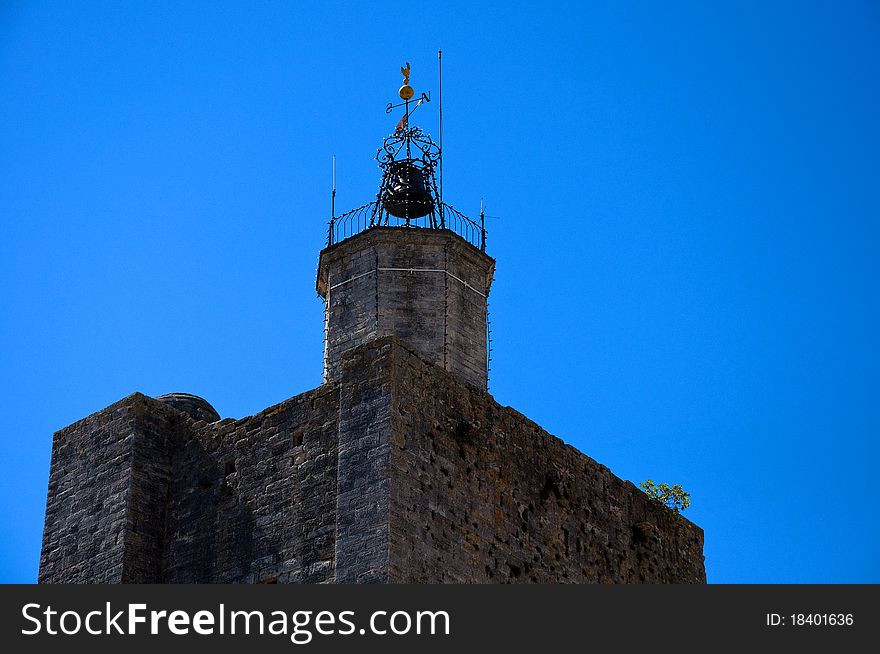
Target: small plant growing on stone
[(672, 497)]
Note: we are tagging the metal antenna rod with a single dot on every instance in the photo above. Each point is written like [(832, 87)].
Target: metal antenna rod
[(333, 193), (440, 100), (332, 222), (482, 225)]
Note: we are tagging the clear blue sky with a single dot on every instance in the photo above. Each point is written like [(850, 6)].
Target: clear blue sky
[(688, 193)]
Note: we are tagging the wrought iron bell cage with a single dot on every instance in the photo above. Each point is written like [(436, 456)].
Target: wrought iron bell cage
[(408, 195)]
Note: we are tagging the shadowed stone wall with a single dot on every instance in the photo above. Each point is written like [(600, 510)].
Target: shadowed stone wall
[(254, 500), (393, 472), (106, 507), (480, 493)]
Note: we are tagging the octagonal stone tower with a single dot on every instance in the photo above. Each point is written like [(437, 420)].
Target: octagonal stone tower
[(427, 287)]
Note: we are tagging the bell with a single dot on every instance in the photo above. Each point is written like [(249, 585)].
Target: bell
[(406, 194)]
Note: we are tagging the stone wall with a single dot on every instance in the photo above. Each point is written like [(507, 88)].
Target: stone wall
[(480, 493), (348, 282), (157, 429), (362, 532), (105, 509), (395, 471), (254, 500)]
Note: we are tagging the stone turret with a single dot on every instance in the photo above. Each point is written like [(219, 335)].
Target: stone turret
[(427, 287)]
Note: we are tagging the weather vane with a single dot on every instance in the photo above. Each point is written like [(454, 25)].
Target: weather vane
[(406, 94)]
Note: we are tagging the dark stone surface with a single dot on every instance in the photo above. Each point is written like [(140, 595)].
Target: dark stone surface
[(393, 471), (106, 508), (480, 493), (253, 499)]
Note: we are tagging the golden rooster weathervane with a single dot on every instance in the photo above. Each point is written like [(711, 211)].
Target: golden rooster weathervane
[(406, 92)]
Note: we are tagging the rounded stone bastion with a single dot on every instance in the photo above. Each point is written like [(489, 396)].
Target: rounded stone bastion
[(192, 405)]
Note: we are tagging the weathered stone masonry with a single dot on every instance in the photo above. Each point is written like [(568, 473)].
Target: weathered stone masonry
[(427, 287), (394, 471), (480, 493)]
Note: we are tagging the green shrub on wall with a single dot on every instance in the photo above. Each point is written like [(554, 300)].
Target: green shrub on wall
[(672, 497)]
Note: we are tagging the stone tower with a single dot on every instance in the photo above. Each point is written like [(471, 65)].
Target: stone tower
[(400, 467), (426, 287)]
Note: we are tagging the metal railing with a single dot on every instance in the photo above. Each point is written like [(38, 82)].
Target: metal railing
[(372, 214)]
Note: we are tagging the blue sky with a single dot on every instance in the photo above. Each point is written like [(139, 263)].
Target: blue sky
[(687, 232)]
